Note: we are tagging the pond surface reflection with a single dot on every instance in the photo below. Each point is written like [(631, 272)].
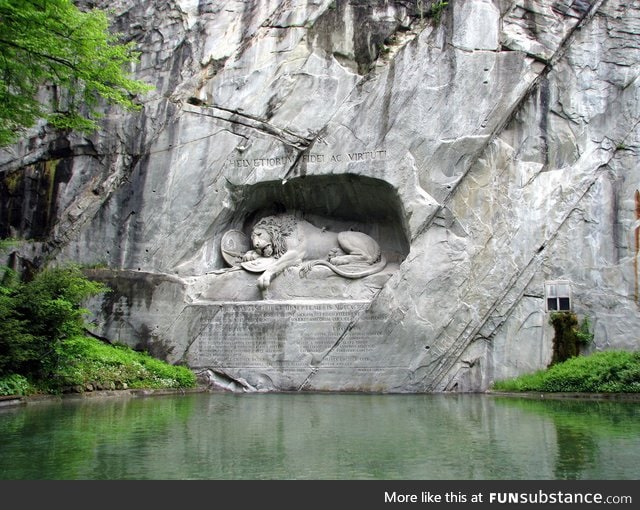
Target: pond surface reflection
[(320, 437)]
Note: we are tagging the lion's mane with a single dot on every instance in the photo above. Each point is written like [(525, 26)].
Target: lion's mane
[(279, 228)]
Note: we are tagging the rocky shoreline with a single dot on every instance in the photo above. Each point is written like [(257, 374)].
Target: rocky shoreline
[(21, 400)]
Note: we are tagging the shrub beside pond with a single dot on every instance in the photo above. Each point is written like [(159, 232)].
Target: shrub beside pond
[(44, 347), (87, 364), (600, 372)]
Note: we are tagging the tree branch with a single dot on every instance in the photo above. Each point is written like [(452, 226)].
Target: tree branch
[(44, 56)]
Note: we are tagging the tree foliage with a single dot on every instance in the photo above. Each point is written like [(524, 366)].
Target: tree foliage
[(43, 346), (51, 43), (37, 316)]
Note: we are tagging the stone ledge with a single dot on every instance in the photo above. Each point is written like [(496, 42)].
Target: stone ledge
[(14, 400), (11, 400)]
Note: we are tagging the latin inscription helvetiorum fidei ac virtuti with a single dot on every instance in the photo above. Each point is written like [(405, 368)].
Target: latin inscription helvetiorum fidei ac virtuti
[(311, 158)]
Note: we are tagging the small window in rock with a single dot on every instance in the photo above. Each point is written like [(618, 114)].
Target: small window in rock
[(558, 295)]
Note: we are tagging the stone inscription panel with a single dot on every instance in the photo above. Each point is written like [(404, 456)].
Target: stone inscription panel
[(312, 158), (283, 335)]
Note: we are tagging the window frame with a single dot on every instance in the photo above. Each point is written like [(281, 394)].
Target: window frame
[(558, 290)]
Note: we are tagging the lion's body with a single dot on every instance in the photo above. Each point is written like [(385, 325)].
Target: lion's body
[(294, 241)]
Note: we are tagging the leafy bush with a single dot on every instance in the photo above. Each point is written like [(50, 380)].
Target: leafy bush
[(601, 372), (570, 335), (86, 361), (15, 339), (15, 384), (38, 315), (42, 339), (436, 11), (583, 332)]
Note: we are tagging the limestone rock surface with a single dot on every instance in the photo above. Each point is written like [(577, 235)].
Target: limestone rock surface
[(489, 150)]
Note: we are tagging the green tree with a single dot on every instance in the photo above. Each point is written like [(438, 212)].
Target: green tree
[(54, 44), (15, 339), (38, 315)]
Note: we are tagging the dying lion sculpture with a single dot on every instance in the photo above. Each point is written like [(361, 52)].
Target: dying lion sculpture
[(284, 241)]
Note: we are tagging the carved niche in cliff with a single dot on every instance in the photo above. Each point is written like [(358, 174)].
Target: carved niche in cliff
[(283, 241), (316, 237)]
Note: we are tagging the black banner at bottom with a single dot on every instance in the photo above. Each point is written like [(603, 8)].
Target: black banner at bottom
[(379, 494)]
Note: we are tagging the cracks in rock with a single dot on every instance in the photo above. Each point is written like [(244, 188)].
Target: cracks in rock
[(352, 323), (281, 27), (394, 43), (194, 337), (235, 117), (314, 368), (523, 276), (491, 321), (517, 106), (562, 114), (397, 39), (81, 210), (565, 43), (171, 147), (283, 9)]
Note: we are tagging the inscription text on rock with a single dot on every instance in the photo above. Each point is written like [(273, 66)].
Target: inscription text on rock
[(284, 335), (313, 158)]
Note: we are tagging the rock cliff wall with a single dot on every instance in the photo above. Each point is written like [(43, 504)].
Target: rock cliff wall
[(490, 147)]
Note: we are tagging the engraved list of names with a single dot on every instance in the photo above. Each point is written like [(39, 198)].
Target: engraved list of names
[(283, 335)]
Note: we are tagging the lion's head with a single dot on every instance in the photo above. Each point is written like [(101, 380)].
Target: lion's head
[(278, 228)]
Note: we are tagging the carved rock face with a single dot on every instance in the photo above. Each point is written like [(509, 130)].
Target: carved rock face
[(287, 241), (484, 158)]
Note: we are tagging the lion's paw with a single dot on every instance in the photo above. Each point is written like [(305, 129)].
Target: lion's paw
[(341, 261), (250, 255), (264, 280)]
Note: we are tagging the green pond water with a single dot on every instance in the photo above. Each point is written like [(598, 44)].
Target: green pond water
[(219, 436)]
